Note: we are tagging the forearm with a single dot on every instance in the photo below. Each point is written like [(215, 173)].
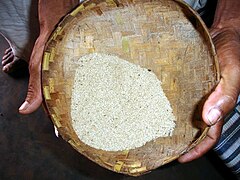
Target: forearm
[(227, 15)]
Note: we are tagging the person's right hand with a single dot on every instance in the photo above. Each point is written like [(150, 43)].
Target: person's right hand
[(50, 13)]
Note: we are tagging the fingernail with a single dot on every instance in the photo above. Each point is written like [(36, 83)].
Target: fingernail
[(214, 115), (24, 106)]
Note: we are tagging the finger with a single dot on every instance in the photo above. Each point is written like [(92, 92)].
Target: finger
[(34, 94), (218, 104), (33, 100), (207, 144)]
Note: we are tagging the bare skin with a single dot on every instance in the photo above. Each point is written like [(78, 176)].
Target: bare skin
[(9, 60), (50, 13), (226, 37)]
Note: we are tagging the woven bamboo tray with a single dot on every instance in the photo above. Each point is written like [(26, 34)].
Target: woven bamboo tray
[(165, 36)]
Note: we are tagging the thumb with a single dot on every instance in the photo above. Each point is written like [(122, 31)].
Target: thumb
[(34, 95), (219, 103), (33, 99)]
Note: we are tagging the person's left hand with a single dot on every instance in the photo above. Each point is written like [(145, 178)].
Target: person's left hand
[(207, 144), (224, 97)]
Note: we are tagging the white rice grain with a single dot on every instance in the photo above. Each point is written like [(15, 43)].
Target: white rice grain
[(117, 105)]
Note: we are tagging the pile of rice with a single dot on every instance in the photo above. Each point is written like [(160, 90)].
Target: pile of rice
[(117, 105)]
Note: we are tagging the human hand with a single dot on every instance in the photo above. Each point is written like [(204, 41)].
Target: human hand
[(223, 99), (50, 13)]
